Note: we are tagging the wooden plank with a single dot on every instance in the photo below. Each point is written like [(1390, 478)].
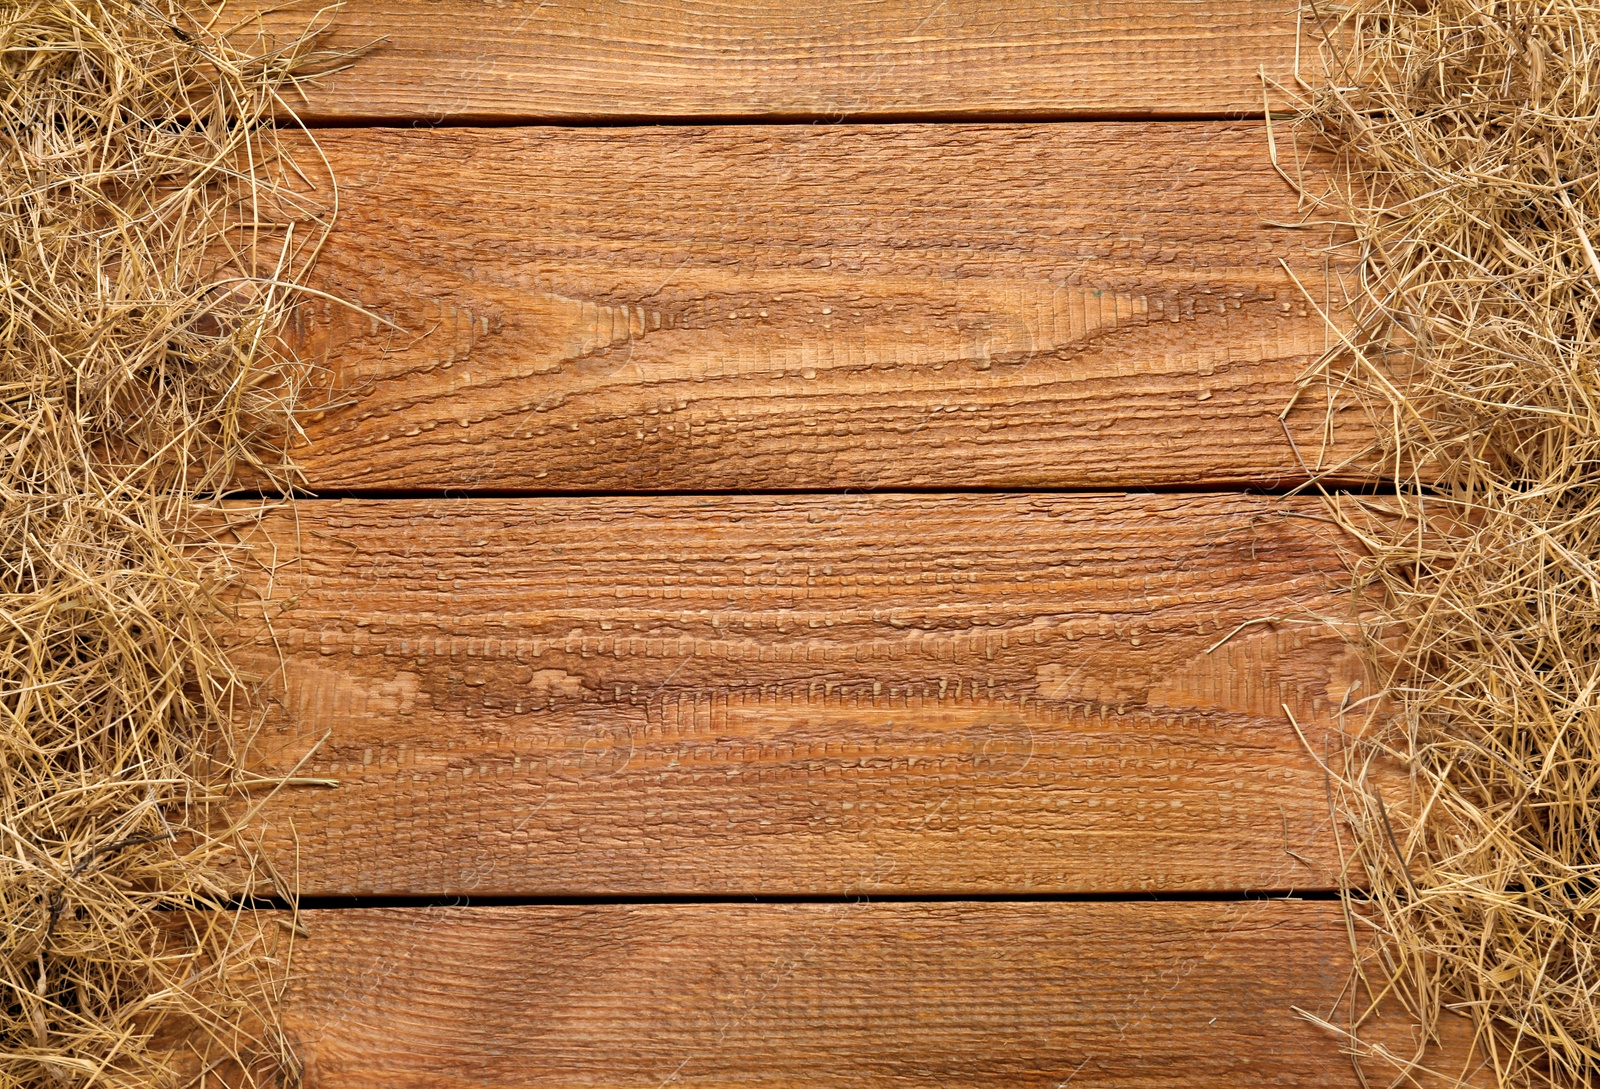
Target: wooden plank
[(802, 695), (596, 61), (1015, 995), (757, 308)]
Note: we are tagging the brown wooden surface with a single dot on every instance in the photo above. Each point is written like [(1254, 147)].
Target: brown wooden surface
[(759, 308), (838, 695), (614, 60), (803, 695), (1003, 995)]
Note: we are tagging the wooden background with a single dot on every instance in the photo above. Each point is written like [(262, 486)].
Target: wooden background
[(801, 589)]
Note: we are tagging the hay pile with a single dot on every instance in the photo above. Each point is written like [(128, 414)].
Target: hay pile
[(150, 240), (1468, 138)]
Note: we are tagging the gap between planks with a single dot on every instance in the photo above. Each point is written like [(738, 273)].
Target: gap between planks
[(346, 903)]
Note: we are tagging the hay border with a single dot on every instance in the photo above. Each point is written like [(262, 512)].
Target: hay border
[(155, 232), (1466, 145)]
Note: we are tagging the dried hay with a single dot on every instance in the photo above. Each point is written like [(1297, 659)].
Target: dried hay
[(151, 241), (1467, 137)]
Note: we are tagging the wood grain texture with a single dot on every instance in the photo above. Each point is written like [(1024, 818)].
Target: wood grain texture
[(958, 994), (768, 308), (631, 60), (802, 695)]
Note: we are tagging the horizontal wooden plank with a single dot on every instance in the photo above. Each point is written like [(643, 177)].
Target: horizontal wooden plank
[(802, 695), (1013, 995), (765, 308), (593, 60)]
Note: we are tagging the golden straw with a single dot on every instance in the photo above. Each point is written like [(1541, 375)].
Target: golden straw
[(152, 232), (1466, 136)]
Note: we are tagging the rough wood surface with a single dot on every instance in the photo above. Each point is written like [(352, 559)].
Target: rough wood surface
[(629, 60), (1136, 996), (803, 695), (767, 308)]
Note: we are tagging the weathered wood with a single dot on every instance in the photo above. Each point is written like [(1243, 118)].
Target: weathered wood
[(800, 695), (591, 60), (757, 308), (1015, 995)]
